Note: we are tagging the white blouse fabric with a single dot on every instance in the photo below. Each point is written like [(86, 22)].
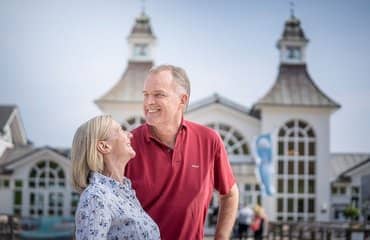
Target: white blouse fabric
[(109, 209)]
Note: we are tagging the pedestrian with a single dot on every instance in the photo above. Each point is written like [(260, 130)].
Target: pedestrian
[(258, 223), (245, 218), (108, 207), (180, 162)]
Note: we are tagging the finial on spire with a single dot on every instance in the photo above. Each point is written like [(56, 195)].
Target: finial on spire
[(291, 9), (143, 6)]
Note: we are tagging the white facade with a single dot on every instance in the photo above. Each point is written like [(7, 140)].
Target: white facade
[(308, 178)]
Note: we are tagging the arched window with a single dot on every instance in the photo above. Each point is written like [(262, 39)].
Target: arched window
[(46, 181), (234, 141), (132, 123), (296, 171)]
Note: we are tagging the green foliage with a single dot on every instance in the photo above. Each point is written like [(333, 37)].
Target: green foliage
[(351, 212)]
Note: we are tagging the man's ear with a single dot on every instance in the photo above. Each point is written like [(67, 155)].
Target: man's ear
[(184, 99), (103, 147)]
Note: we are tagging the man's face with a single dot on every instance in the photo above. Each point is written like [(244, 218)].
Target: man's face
[(163, 101)]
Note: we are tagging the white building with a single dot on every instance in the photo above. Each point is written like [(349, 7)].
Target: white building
[(312, 183), (33, 181)]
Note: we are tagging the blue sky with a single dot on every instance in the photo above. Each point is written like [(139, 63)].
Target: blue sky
[(57, 57)]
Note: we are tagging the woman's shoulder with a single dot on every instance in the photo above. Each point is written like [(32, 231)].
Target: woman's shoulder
[(94, 192)]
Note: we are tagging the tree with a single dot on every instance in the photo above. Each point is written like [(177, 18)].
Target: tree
[(351, 212)]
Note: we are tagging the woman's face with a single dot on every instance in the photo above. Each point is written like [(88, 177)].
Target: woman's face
[(120, 142)]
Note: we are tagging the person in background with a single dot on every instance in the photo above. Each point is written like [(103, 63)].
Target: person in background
[(245, 218), (258, 222), (180, 163), (108, 207)]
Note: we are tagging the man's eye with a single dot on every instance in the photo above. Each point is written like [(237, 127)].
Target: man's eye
[(159, 95)]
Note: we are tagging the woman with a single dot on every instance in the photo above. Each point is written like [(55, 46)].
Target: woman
[(108, 207), (258, 222)]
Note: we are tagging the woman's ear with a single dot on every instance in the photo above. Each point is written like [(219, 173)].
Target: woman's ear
[(103, 147)]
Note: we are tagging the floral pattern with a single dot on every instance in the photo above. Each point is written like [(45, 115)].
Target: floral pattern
[(109, 209)]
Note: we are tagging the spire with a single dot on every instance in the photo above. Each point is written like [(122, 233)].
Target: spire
[(291, 9), (294, 87), (292, 44), (141, 40)]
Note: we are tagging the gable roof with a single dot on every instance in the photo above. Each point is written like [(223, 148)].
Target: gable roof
[(129, 87), (294, 87), (355, 167), (17, 154), (218, 99), (341, 163), (5, 113)]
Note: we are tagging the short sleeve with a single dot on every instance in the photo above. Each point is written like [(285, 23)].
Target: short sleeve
[(93, 218), (223, 175)]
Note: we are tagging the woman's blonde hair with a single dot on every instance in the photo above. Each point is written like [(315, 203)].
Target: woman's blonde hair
[(84, 154)]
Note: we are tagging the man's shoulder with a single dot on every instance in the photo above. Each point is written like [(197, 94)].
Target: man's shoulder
[(200, 129)]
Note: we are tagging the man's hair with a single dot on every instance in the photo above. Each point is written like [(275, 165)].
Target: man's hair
[(84, 154), (178, 74)]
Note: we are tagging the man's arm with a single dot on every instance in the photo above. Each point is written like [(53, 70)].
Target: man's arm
[(227, 213)]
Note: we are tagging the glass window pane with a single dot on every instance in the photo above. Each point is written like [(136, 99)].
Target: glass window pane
[(280, 167), (281, 132), (291, 148), (41, 165), (310, 133), (300, 186), (290, 204), (301, 149), (302, 124), (311, 168), (33, 173), (289, 124), (355, 190), (300, 205), (280, 185), (280, 205), (311, 205), (18, 183), (61, 173), (301, 168), (53, 165), (281, 148), (311, 186), (290, 185), (17, 198), (245, 149), (311, 149), (290, 167), (6, 183)]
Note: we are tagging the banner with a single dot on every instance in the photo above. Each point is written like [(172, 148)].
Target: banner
[(263, 154)]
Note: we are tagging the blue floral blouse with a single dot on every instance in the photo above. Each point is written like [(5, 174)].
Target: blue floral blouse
[(109, 209)]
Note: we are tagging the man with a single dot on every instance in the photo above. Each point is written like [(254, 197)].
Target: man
[(179, 163), (245, 218)]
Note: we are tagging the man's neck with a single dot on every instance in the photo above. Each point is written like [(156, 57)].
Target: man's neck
[(166, 134)]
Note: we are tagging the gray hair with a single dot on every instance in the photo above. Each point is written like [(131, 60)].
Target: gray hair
[(178, 74)]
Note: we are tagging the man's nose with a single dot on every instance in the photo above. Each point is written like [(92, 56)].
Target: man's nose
[(149, 99)]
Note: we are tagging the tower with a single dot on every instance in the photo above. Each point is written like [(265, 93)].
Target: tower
[(299, 113), (124, 100)]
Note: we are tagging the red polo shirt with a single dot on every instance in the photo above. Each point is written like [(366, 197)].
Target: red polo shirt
[(175, 186)]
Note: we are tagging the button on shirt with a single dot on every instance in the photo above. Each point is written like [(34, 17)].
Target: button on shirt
[(175, 186), (109, 209)]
